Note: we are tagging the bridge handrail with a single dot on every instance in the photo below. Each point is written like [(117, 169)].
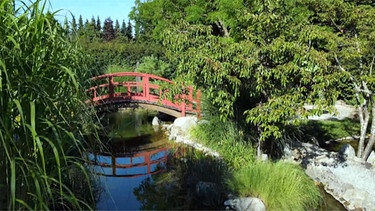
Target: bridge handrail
[(136, 74), (188, 99)]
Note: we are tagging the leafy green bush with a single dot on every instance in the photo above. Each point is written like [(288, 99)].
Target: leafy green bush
[(281, 186)]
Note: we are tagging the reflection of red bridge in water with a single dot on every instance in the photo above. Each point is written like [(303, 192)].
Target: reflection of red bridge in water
[(144, 90), (130, 165)]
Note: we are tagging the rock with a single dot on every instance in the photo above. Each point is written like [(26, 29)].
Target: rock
[(155, 121), (245, 204), (264, 157), (371, 158), (347, 151), (181, 126)]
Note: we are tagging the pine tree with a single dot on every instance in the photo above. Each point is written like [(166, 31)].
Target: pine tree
[(74, 25), (123, 28), (93, 22), (117, 28), (98, 28), (129, 31), (80, 24), (66, 26), (108, 30)]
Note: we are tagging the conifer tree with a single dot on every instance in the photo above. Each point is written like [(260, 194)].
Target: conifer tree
[(98, 24), (123, 28), (66, 26), (117, 28), (129, 31), (93, 22), (80, 24), (108, 30), (74, 25)]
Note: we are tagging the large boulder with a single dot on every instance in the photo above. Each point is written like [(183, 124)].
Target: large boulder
[(182, 126), (245, 204)]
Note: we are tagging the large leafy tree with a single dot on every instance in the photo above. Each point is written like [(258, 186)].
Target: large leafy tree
[(351, 30), (251, 58), (267, 59)]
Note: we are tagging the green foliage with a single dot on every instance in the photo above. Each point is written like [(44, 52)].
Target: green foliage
[(153, 65), (227, 140), (177, 188), (281, 186), (43, 114)]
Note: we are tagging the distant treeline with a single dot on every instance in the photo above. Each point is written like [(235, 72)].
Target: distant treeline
[(95, 29)]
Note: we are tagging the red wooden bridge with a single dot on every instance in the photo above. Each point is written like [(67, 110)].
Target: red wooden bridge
[(130, 89)]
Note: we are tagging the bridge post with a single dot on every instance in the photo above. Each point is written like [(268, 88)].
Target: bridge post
[(190, 98), (111, 87), (198, 101), (146, 90), (183, 108)]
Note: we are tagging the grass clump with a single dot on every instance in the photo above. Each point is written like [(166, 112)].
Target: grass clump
[(281, 186), (227, 140)]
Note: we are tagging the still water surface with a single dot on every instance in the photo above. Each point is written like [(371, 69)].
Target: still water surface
[(134, 152)]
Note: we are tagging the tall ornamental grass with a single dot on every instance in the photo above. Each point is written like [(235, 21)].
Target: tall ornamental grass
[(281, 186), (227, 140), (42, 114)]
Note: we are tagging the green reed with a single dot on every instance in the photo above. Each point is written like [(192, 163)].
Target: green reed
[(42, 113)]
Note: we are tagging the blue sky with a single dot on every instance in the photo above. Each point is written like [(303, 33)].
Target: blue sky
[(116, 9)]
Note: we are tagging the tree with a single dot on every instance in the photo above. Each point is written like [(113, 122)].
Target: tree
[(66, 27), (80, 24), (250, 67), (74, 25), (117, 28), (129, 31), (98, 28), (108, 30), (123, 28), (267, 59), (353, 54)]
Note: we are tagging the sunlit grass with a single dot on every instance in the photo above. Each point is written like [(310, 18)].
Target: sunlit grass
[(226, 140), (281, 186)]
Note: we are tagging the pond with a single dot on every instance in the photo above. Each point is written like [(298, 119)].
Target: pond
[(133, 151), (134, 157)]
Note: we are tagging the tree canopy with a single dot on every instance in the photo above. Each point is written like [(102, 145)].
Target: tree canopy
[(264, 60)]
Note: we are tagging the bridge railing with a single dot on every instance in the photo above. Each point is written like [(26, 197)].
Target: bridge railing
[(134, 86)]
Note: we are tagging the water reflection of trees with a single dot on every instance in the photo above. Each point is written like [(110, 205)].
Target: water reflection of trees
[(192, 181)]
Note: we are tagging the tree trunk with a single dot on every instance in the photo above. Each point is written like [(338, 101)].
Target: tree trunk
[(371, 141), (364, 117)]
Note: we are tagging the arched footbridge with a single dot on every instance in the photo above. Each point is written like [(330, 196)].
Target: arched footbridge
[(133, 89)]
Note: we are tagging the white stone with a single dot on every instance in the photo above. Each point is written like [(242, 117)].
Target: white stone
[(182, 126), (264, 157), (371, 158), (347, 151), (155, 121), (246, 204)]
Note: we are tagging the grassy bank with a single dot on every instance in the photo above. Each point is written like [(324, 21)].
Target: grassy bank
[(280, 185)]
